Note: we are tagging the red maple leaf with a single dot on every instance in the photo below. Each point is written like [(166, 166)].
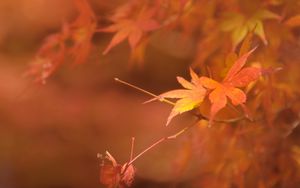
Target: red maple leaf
[(57, 46), (114, 175), (83, 29), (133, 29), (236, 77), (49, 56)]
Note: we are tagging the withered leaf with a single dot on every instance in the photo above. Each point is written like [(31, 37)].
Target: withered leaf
[(114, 175)]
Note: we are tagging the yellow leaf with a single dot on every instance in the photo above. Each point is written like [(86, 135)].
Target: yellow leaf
[(266, 14), (239, 34), (232, 21)]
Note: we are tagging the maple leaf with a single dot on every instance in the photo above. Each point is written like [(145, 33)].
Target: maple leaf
[(83, 30), (50, 55), (189, 98), (237, 76), (74, 39), (133, 29), (137, 55), (115, 175), (239, 25), (110, 173), (293, 21), (127, 174)]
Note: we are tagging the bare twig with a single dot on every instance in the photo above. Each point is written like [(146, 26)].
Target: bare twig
[(144, 91), (174, 136), (132, 147)]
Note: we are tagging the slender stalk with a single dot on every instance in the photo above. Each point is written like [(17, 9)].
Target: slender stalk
[(232, 120), (132, 147), (147, 149), (174, 136), (131, 156), (144, 91)]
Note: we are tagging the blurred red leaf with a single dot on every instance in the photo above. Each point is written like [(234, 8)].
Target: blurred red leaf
[(49, 56), (115, 175), (127, 174), (57, 46), (133, 29), (83, 29)]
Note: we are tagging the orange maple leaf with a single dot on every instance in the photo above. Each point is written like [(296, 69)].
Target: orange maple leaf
[(133, 29), (293, 21), (189, 98), (237, 76)]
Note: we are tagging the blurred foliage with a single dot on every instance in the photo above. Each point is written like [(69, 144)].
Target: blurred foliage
[(59, 104)]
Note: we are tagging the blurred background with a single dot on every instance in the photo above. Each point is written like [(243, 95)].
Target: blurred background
[(50, 134)]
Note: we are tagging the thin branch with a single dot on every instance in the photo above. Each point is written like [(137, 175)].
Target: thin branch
[(144, 91), (147, 149), (132, 147), (174, 136), (232, 120), (131, 156)]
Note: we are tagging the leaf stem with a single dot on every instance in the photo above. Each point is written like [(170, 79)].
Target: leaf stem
[(132, 147), (144, 91), (174, 136)]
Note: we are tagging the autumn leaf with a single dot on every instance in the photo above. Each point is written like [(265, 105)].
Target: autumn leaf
[(189, 98), (293, 21), (74, 40), (83, 29), (296, 154), (236, 77), (114, 175), (50, 55), (110, 173), (127, 174), (239, 25), (133, 29), (138, 54)]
